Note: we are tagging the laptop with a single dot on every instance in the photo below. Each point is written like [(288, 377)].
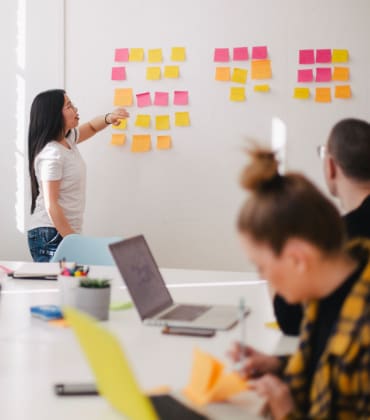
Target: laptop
[(114, 377), (152, 298)]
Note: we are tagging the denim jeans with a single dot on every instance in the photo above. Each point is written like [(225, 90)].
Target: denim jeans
[(43, 242)]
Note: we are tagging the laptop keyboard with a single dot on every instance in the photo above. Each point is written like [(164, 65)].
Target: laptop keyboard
[(169, 408), (185, 312)]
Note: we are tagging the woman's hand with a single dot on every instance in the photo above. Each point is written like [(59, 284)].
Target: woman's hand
[(117, 115)]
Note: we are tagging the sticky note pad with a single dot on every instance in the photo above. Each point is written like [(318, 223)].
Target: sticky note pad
[(162, 122), (181, 97), (343, 92), (323, 74), (182, 119), (142, 120), (178, 54), (237, 94), (261, 88), (222, 74), (339, 56), (261, 69), (305, 75), (161, 98), (121, 54), (122, 125), (259, 53), (171, 72), (141, 143), (123, 97), (118, 139), (323, 56), (164, 142), (221, 55), (143, 99), (118, 73), (240, 54), (136, 54), (153, 73), (341, 74), (301, 93), (239, 75), (306, 57), (323, 94), (155, 56)]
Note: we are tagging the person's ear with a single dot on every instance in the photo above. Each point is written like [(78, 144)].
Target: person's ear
[(331, 168), (296, 254)]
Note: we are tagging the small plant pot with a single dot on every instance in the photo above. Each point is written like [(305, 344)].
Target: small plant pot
[(93, 301)]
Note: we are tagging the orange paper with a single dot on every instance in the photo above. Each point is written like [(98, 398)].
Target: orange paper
[(118, 139), (343, 92), (323, 95), (341, 74), (222, 74), (261, 69), (164, 142), (123, 97), (141, 143)]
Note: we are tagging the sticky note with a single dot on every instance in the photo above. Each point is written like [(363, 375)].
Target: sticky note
[(341, 74), (142, 120), (222, 74), (162, 122), (301, 93), (259, 53), (339, 56), (161, 98), (155, 56), (141, 143), (343, 92), (306, 57), (143, 99), (261, 69), (118, 73), (153, 73), (136, 54), (323, 56), (123, 97), (178, 54), (164, 142), (261, 88), (221, 55), (181, 97), (272, 324), (323, 74), (122, 125), (237, 94), (240, 54), (239, 75), (118, 139), (305, 75), (323, 94), (121, 54), (171, 72), (182, 119)]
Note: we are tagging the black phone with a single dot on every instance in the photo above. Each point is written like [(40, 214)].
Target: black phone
[(76, 389), (192, 331)]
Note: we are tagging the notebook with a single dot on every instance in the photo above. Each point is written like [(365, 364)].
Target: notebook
[(152, 298), (114, 377), (41, 270)]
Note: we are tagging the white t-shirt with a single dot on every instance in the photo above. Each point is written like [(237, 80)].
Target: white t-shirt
[(57, 162)]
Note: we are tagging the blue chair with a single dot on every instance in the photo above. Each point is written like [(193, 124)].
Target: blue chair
[(89, 250)]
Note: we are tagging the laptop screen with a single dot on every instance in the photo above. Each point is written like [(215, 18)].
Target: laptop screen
[(141, 275)]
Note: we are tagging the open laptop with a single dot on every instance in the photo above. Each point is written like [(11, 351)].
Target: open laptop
[(114, 377), (152, 298)]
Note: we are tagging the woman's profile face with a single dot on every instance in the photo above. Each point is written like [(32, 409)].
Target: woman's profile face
[(70, 114)]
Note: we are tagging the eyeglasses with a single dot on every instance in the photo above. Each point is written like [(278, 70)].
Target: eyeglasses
[(321, 151)]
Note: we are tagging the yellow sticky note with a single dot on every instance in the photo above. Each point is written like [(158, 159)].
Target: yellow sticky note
[(153, 73), (155, 56), (162, 122), (239, 75), (141, 143), (164, 142), (341, 74), (261, 88), (118, 139), (323, 94), (261, 69), (237, 94), (343, 92), (339, 56), (122, 97), (222, 74), (136, 54), (182, 119), (121, 126), (171, 72), (301, 93), (272, 324), (178, 54), (142, 120)]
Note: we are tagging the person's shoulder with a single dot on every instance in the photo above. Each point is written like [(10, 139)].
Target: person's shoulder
[(52, 150)]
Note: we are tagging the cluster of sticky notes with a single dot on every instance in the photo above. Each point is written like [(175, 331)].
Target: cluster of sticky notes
[(142, 142), (328, 68), (162, 122), (209, 382), (144, 99)]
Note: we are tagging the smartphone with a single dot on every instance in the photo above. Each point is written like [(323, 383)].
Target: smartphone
[(195, 332), (76, 389)]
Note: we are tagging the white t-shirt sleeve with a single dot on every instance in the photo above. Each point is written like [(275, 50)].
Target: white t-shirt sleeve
[(49, 164)]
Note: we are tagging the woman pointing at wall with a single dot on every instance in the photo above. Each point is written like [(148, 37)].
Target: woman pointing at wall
[(57, 170)]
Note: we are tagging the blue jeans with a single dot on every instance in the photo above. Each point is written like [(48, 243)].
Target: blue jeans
[(43, 242)]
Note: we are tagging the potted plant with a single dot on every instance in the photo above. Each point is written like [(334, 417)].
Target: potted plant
[(93, 297)]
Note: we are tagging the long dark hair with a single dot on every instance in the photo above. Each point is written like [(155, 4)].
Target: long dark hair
[(46, 125)]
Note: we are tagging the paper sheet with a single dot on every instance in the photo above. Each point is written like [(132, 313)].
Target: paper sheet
[(221, 55), (171, 72), (343, 92), (306, 57), (142, 120), (118, 73), (182, 119), (153, 73), (164, 142), (341, 74), (340, 56), (161, 98), (259, 53), (301, 93), (261, 69), (323, 74), (143, 99), (261, 88), (305, 75), (323, 56), (121, 54), (222, 74), (323, 94), (155, 55), (123, 97), (121, 126), (240, 54), (162, 122), (136, 54), (237, 94), (118, 139), (141, 143), (178, 54), (181, 97), (239, 75)]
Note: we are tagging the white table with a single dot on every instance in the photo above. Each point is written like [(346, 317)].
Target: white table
[(35, 355)]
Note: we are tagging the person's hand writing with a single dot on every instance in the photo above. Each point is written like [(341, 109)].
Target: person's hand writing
[(117, 115)]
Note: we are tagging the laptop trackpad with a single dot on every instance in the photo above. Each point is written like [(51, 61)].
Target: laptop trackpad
[(185, 312)]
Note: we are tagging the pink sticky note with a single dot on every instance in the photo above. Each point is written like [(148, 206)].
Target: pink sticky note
[(323, 74), (143, 99), (306, 57), (259, 53), (305, 75), (161, 98), (240, 54), (121, 54), (118, 73), (323, 56), (221, 54), (181, 97)]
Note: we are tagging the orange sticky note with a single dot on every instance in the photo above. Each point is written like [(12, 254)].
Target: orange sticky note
[(141, 143), (136, 54), (239, 75), (222, 74), (301, 93), (164, 142), (182, 119), (118, 139), (323, 95), (341, 74), (122, 97), (171, 72), (228, 385), (261, 69), (343, 92)]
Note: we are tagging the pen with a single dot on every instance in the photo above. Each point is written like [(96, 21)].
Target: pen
[(242, 330)]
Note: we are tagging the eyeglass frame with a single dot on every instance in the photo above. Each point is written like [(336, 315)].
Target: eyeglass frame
[(322, 151)]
